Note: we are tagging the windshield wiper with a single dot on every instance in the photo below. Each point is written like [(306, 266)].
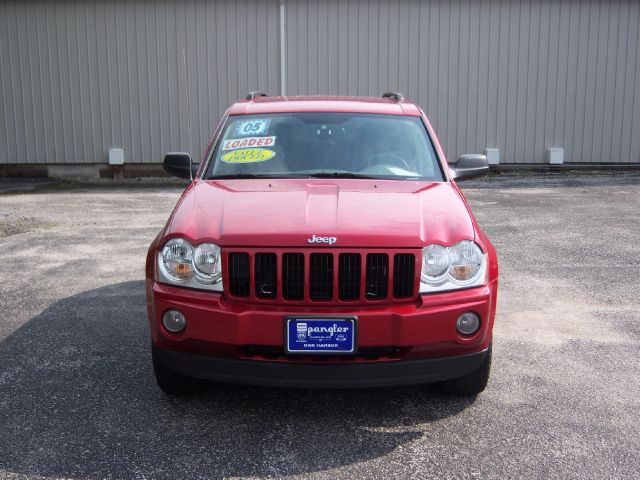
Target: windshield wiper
[(242, 175), (296, 175), (341, 175)]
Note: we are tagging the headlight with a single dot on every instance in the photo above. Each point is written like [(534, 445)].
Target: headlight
[(435, 263), (206, 261), (466, 261), (177, 257), (180, 263), (450, 268)]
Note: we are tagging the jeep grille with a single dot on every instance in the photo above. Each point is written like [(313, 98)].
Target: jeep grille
[(328, 275)]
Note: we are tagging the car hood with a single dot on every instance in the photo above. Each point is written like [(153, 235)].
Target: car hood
[(286, 213)]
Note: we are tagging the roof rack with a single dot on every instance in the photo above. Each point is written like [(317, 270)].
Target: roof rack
[(397, 96), (253, 95)]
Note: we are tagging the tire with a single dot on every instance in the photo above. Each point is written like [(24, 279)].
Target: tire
[(472, 383), (170, 382)]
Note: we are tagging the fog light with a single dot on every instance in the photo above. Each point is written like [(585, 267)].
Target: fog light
[(174, 321), (468, 323)]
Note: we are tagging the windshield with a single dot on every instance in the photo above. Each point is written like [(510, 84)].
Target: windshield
[(285, 145)]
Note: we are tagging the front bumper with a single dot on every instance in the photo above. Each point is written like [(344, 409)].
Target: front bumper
[(309, 375), (416, 330)]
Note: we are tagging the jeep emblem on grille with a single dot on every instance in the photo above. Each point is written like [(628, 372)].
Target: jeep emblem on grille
[(328, 240)]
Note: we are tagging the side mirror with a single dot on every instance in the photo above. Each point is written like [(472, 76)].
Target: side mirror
[(470, 165), (179, 164)]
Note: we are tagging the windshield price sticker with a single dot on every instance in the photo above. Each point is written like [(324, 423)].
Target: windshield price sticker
[(253, 127), (248, 155), (235, 143)]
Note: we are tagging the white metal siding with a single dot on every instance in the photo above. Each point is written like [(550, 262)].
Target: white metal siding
[(77, 78), (517, 75)]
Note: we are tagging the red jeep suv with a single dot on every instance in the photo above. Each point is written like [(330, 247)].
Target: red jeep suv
[(322, 242)]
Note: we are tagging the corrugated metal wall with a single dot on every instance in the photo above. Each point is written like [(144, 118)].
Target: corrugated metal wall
[(79, 77), (518, 75)]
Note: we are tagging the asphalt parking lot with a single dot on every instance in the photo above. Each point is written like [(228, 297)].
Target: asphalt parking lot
[(78, 399)]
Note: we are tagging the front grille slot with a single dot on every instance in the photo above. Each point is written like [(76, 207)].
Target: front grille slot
[(293, 276), (377, 277), (266, 278), (349, 276), (403, 272), (239, 274), (321, 276)]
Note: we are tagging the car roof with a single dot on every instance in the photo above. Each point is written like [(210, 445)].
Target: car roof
[(289, 104)]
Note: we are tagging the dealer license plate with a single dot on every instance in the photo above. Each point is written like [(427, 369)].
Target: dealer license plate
[(320, 335)]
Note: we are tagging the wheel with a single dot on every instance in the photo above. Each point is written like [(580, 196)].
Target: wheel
[(472, 383), (170, 382)]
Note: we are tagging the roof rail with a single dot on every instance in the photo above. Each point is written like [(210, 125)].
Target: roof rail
[(397, 96), (253, 95)]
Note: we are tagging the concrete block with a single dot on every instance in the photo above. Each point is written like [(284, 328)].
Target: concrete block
[(86, 170)]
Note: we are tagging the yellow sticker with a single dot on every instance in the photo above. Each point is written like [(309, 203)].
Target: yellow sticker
[(248, 155)]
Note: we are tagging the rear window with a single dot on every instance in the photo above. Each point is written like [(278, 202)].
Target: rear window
[(325, 145)]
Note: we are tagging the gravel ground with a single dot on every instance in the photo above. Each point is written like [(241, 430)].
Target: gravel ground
[(78, 399)]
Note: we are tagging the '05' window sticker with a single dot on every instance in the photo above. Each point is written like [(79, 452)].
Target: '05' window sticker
[(257, 126)]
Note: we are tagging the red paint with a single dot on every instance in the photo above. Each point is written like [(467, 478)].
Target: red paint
[(279, 215), (324, 104), (284, 213), (424, 327)]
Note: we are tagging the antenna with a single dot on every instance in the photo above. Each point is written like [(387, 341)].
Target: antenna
[(186, 91)]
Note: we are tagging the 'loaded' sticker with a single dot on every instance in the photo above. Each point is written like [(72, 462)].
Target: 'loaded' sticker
[(253, 127), (235, 143), (248, 155)]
